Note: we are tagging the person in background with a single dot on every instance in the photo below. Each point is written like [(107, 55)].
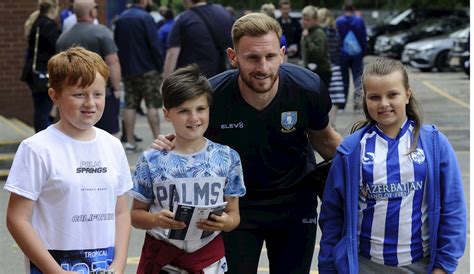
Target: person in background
[(291, 28), (231, 11), (67, 210), (206, 172), (165, 29), (71, 19), (269, 9), (273, 114), (336, 87), (394, 200), (314, 46), (346, 23), (66, 12), (99, 39), (141, 61), (159, 16), (42, 33), (191, 40)]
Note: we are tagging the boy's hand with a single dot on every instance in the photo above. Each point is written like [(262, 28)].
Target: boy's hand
[(163, 142), (164, 219), (438, 271), (216, 223)]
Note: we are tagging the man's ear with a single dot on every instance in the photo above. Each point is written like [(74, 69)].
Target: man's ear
[(282, 53), (232, 57)]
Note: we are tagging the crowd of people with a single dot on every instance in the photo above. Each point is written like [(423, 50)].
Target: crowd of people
[(246, 126)]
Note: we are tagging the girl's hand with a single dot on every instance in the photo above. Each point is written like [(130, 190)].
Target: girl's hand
[(438, 271), (163, 142), (164, 219)]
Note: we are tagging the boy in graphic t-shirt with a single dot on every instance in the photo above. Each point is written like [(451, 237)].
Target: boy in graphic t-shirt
[(197, 172), (67, 209)]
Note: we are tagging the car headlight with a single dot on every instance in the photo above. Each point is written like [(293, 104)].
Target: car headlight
[(370, 32), (399, 40), (427, 47)]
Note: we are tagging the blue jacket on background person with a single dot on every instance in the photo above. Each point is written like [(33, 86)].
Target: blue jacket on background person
[(445, 197)]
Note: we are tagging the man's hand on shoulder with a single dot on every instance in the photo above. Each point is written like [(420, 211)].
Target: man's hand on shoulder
[(163, 142)]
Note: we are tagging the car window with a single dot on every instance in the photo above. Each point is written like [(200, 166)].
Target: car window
[(397, 19)]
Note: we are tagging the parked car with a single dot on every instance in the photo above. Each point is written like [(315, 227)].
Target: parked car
[(392, 45), (431, 53), (459, 55), (405, 20)]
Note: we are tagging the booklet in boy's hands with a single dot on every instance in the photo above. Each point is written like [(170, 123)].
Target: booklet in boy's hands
[(191, 214)]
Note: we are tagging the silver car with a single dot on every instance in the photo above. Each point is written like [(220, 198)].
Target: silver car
[(430, 53)]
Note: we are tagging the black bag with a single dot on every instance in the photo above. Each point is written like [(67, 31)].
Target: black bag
[(318, 177), (40, 81)]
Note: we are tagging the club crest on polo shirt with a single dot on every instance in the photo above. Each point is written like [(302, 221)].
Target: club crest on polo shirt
[(288, 121), (418, 156)]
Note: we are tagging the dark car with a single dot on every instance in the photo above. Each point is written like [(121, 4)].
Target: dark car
[(392, 45), (405, 20)]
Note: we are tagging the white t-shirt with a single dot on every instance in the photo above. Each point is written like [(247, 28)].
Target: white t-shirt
[(75, 185)]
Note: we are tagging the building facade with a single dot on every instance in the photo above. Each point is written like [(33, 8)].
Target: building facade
[(15, 96)]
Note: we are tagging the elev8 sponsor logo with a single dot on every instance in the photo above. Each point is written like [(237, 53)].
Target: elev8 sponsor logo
[(91, 167), (232, 125)]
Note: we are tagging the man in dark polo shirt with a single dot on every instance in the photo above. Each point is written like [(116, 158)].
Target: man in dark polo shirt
[(273, 115)]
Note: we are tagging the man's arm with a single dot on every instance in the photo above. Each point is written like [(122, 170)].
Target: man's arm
[(113, 63), (324, 141), (171, 60)]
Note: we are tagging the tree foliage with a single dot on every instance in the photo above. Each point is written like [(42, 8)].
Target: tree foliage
[(360, 4)]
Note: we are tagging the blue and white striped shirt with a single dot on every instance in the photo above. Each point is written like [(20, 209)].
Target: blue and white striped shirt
[(392, 210)]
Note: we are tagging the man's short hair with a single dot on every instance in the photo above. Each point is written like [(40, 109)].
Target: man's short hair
[(348, 7), (284, 2), (185, 84), (254, 24), (75, 66)]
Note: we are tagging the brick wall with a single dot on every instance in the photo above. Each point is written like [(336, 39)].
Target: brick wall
[(15, 97)]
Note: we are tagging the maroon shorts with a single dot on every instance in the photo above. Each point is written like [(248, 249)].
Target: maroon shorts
[(156, 254)]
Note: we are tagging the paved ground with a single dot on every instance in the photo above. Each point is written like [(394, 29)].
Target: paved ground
[(445, 100)]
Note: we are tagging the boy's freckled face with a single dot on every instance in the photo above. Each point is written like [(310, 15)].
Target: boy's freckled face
[(81, 108), (190, 119)]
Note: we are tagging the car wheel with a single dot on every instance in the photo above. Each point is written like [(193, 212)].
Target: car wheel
[(425, 69), (441, 61)]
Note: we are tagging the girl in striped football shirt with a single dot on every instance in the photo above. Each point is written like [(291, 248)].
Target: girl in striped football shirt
[(394, 198)]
